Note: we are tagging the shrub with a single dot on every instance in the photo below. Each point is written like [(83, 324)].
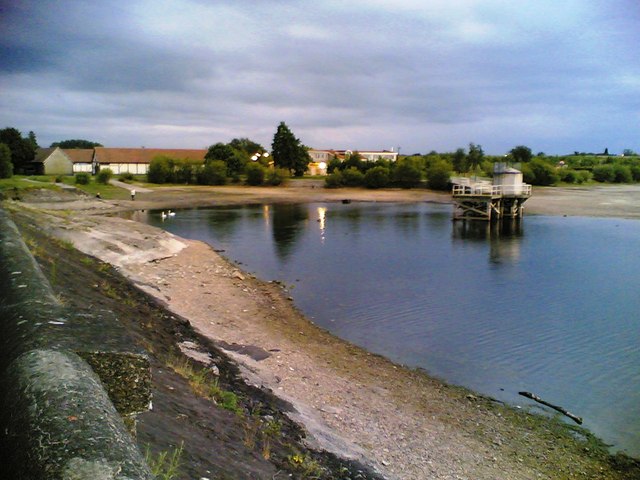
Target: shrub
[(334, 164), (635, 173), (376, 177), (159, 170), (407, 175), (82, 178), (255, 174), (439, 175), (184, 173), (125, 177), (584, 176), (6, 166), (277, 176), (104, 175), (621, 174), (352, 177), (568, 176), (542, 172), (333, 180), (213, 173), (603, 173), (58, 179)]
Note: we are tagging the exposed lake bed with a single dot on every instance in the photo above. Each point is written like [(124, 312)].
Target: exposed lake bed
[(417, 427)]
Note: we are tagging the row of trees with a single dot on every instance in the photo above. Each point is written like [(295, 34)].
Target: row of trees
[(406, 172)]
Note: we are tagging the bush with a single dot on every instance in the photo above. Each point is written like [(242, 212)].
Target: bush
[(277, 176), (621, 174), (104, 175), (584, 176), (213, 173), (407, 175), (603, 173), (333, 180), (6, 166), (542, 173), (635, 173), (352, 177), (439, 175), (58, 179), (376, 177), (255, 174), (125, 177), (159, 170), (82, 178), (568, 176)]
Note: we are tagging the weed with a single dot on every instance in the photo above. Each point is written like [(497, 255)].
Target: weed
[(108, 290), (306, 466), (88, 261), (164, 465), (65, 244), (204, 385)]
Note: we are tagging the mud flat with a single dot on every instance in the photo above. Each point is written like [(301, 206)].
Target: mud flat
[(401, 422)]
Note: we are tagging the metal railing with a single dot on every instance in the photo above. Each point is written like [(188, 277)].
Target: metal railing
[(481, 189)]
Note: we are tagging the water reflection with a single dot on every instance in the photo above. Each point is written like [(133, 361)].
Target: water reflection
[(504, 238), (288, 224)]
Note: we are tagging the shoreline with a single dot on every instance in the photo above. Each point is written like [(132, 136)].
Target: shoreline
[(403, 422)]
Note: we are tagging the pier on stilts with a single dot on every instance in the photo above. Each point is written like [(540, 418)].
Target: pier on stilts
[(504, 197)]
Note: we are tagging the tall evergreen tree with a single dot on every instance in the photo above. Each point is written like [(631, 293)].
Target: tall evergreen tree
[(288, 152)]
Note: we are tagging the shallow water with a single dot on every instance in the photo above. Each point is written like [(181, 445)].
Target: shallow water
[(549, 305)]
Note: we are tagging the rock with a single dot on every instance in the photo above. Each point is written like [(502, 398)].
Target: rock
[(237, 274)]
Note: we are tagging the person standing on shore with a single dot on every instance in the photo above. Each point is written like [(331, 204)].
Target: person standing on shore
[(133, 194)]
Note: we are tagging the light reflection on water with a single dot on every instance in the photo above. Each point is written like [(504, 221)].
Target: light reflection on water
[(548, 305)]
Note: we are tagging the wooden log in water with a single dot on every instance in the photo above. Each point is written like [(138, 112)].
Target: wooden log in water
[(573, 417)]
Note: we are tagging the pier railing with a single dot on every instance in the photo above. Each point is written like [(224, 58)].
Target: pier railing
[(488, 190)]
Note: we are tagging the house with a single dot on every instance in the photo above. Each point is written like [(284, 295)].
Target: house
[(137, 160), (320, 158), (82, 159), (52, 161)]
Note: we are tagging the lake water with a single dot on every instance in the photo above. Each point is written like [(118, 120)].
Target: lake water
[(550, 305)]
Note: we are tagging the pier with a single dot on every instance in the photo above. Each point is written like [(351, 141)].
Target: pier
[(504, 197)]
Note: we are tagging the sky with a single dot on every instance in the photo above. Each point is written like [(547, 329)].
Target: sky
[(414, 75)]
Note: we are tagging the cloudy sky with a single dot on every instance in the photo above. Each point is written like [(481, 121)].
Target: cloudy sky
[(418, 75)]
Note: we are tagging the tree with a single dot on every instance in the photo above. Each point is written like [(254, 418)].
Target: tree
[(376, 177), (439, 175), (247, 146), (6, 167), (213, 173), (521, 154), (406, 173), (627, 152), (459, 160), (235, 159), (22, 149), (75, 143), (475, 155), (288, 152)]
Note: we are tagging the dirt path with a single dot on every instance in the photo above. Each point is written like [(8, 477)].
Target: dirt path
[(404, 423)]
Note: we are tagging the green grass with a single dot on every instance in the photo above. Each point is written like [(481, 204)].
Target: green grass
[(165, 465)]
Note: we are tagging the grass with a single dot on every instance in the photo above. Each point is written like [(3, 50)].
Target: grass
[(165, 465), (205, 384)]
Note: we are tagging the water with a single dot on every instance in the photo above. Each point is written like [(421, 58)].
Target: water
[(549, 306)]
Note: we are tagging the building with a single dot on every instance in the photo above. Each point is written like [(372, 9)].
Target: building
[(56, 161), (137, 160), (320, 158)]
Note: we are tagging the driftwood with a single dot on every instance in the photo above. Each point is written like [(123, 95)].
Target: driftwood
[(573, 417)]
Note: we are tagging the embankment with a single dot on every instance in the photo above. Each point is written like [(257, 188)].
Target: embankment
[(61, 376)]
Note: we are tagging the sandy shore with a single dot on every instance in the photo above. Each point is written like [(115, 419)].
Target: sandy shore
[(405, 424)]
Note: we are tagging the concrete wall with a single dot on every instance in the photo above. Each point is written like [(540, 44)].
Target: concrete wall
[(57, 420)]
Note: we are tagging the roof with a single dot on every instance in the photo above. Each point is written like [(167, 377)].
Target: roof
[(42, 154), (79, 155), (106, 155)]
